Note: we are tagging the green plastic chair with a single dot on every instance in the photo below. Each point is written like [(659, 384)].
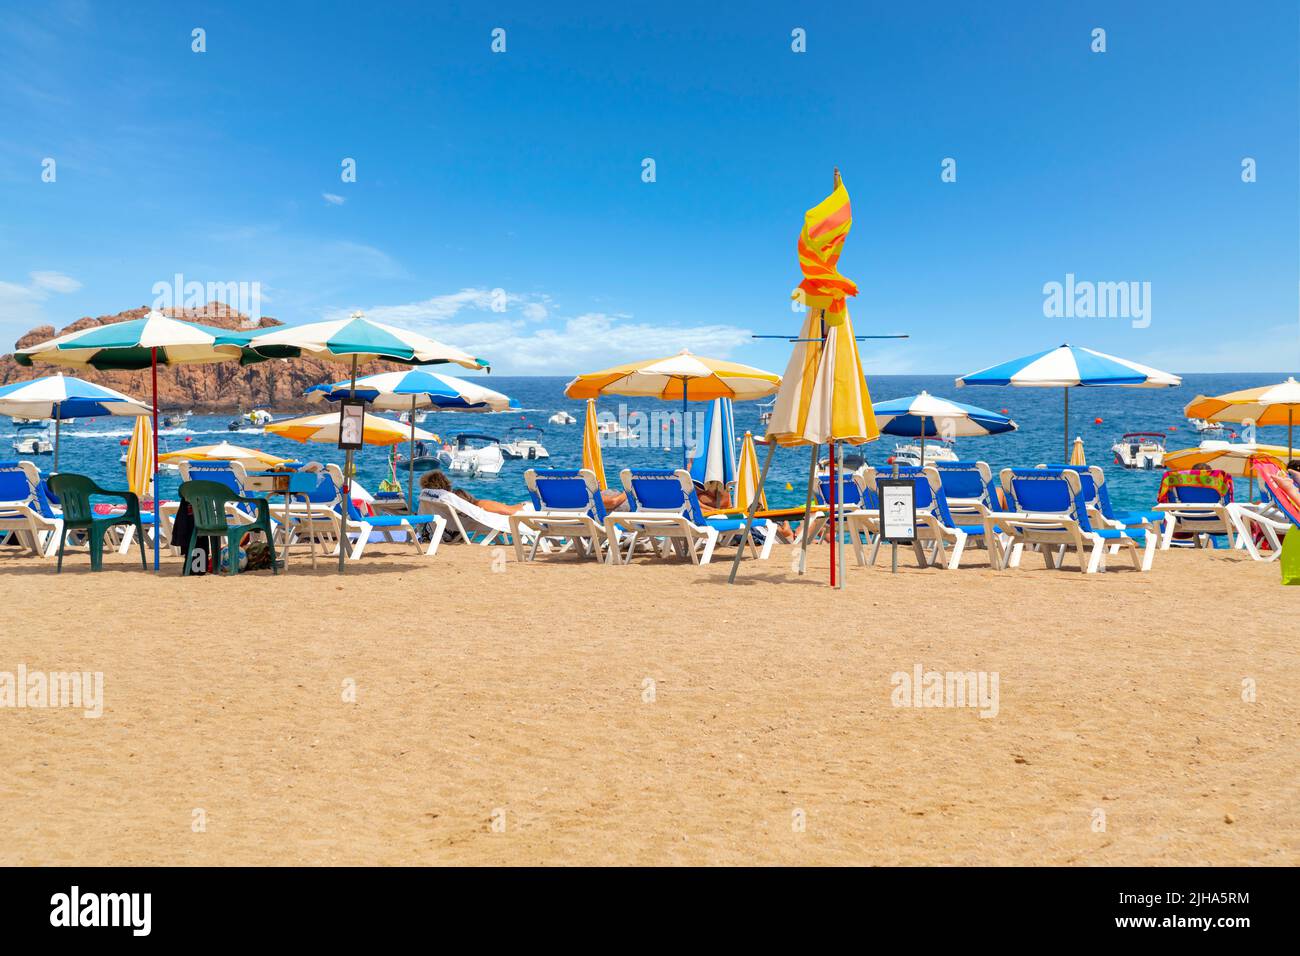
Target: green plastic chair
[(73, 492), (209, 500)]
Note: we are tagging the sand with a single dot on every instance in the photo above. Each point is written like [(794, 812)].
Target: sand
[(506, 717)]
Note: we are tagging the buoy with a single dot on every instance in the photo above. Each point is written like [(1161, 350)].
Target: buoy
[(1096, 421), (124, 442), (789, 487), (188, 438), (1005, 412)]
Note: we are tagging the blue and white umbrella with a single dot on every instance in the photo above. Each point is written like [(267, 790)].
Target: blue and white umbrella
[(715, 453), (62, 397), (1070, 366), (928, 416)]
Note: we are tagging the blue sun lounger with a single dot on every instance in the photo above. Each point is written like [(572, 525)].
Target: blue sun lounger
[(568, 509)]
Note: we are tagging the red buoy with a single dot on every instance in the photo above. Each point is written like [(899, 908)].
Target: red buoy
[(1096, 421)]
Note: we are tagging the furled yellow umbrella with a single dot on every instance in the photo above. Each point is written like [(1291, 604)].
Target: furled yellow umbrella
[(139, 458), (376, 430), (1076, 453), (592, 457), (225, 451), (748, 486), (1267, 405)]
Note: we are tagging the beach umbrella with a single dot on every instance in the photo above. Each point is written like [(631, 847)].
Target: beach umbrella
[(141, 469), (1266, 405), (376, 430), (154, 340), (715, 455), (1066, 367), (63, 397), (748, 487), (929, 416), (1077, 456), (412, 389), (592, 457), (1233, 457), (682, 376), (353, 340), (225, 451), (823, 397)]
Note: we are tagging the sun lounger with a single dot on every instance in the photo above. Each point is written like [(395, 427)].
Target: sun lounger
[(26, 514), (1051, 513), (567, 508), (665, 507), (1273, 517), (936, 527), (467, 521), (1198, 510), (362, 526)]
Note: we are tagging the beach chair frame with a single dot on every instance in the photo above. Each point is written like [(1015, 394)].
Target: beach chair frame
[(581, 525)]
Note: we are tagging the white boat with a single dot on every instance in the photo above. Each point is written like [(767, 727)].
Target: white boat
[(32, 439), (562, 418), (420, 417), (1140, 450), (1210, 431), (525, 442), (257, 418), (464, 457), (936, 449), (41, 422), (610, 429), (765, 412)]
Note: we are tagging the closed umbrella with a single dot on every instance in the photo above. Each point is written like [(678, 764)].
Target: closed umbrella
[(593, 458), (715, 455), (354, 340), (140, 465), (1070, 366), (929, 416), (1266, 405), (749, 488), (1077, 456), (154, 340), (63, 397)]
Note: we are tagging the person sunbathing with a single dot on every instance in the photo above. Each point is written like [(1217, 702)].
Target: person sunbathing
[(1293, 470), (437, 480)]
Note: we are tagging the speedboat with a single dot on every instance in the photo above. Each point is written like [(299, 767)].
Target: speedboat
[(562, 418), (1210, 431), (31, 439), (420, 417), (40, 422), (175, 420), (525, 442), (936, 449), (423, 460), (472, 454), (257, 418), (1140, 450)]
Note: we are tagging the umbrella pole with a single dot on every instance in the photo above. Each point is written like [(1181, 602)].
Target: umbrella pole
[(807, 510), (58, 421), (157, 526), (347, 476), (1066, 459), (839, 522), (749, 513), (685, 463), (832, 515), (1290, 426), (410, 462), (922, 441)]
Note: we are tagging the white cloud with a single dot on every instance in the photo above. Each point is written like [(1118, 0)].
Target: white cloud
[(334, 199), (21, 304), (54, 282)]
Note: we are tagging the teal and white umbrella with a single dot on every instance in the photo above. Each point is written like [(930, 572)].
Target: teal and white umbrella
[(929, 416), (63, 397), (154, 340), (353, 340)]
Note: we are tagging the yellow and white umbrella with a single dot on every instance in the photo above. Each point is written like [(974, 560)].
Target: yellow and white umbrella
[(376, 430), (592, 457), (1232, 457), (682, 376), (1267, 405), (139, 458), (225, 451), (748, 485), (1076, 453)]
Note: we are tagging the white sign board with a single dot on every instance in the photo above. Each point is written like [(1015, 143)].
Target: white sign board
[(897, 509)]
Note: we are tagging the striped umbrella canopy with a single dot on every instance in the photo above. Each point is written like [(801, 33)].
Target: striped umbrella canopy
[(225, 451), (1232, 457), (1266, 405), (1069, 366), (376, 430), (592, 456), (929, 416), (61, 397), (748, 484), (355, 339), (141, 469), (154, 340), (715, 454)]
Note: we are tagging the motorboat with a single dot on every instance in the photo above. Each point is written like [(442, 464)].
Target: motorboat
[(1210, 431), (1140, 450), (609, 429), (40, 422), (525, 441), (936, 449), (472, 454), (257, 418), (765, 412), (175, 419), (423, 460), (421, 417), (32, 439), (562, 418)]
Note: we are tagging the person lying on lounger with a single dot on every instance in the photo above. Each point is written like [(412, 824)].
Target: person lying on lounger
[(439, 481)]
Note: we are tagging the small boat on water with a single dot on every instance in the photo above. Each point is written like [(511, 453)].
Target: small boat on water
[(562, 418), (257, 418), (525, 441), (175, 419), (424, 459), (41, 422), (936, 449), (473, 455), (32, 439), (765, 412), (420, 417), (1210, 431), (610, 429), (1140, 450)]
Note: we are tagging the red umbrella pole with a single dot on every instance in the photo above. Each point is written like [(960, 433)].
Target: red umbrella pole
[(157, 525)]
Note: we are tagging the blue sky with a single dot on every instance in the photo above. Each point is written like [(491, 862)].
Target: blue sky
[(522, 171)]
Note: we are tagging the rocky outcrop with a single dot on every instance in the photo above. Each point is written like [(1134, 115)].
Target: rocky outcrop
[(219, 387)]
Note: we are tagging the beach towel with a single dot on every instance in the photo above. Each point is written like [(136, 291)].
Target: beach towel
[(1218, 480)]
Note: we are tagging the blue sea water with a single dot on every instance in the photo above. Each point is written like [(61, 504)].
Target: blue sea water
[(93, 447)]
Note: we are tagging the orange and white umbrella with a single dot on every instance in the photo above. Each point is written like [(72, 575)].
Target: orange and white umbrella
[(376, 430), (1267, 405)]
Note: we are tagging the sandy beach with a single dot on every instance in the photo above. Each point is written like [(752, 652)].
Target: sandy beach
[(567, 713)]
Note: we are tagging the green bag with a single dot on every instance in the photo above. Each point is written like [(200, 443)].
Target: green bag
[(1290, 560)]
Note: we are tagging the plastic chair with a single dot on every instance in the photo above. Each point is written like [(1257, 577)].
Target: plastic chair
[(74, 493), (209, 500)]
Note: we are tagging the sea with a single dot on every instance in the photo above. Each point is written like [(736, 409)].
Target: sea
[(1098, 415)]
